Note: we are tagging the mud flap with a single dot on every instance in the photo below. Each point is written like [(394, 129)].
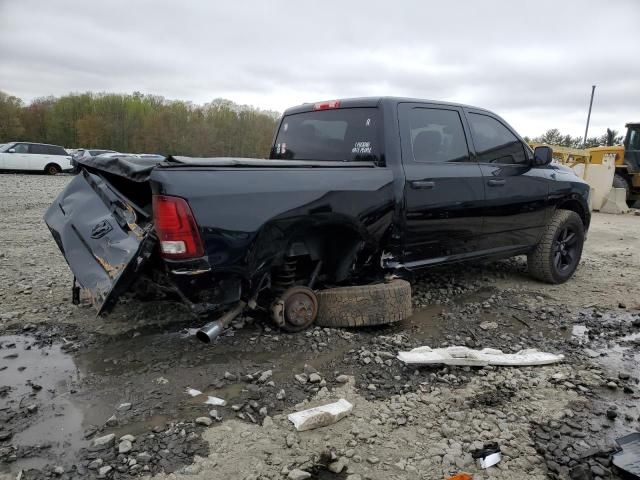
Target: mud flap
[(104, 238)]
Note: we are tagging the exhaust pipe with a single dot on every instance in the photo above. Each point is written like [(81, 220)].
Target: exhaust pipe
[(212, 330)]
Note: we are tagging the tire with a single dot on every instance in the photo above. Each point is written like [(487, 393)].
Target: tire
[(52, 169), (557, 255), (364, 305), (620, 182)]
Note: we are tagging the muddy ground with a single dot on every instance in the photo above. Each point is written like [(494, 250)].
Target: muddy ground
[(83, 397)]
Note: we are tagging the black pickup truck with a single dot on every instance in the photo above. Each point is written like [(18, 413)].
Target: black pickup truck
[(353, 190)]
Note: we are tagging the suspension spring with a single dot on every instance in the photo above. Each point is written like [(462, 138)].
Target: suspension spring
[(285, 276)]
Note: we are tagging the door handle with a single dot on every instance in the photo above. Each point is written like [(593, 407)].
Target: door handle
[(422, 184), (496, 183)]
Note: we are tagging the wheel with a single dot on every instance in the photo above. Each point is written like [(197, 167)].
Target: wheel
[(365, 305), (558, 253), (52, 169), (620, 182), (300, 308)]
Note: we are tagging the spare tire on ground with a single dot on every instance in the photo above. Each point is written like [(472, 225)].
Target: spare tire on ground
[(364, 305)]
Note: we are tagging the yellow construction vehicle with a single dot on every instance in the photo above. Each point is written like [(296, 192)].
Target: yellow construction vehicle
[(605, 167), (627, 174)]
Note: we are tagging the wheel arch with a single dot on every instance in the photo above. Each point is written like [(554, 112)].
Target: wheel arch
[(575, 205), (336, 239)]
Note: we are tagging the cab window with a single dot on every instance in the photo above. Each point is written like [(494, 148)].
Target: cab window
[(437, 136)]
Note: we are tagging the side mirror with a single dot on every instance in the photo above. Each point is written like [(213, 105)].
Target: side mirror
[(542, 156), (11, 150)]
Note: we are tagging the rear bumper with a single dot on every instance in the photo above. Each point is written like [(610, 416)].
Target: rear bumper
[(201, 286)]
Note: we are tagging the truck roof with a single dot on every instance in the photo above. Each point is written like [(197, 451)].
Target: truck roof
[(372, 102)]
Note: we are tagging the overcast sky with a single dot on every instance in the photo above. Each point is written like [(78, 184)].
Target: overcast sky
[(533, 62)]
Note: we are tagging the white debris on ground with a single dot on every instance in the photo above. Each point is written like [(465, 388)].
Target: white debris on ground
[(464, 356), (428, 434), (193, 392), (215, 401), (320, 416)]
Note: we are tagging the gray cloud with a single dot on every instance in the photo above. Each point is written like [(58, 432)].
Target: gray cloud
[(531, 61)]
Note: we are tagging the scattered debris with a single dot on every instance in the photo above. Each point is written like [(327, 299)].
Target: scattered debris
[(320, 416), (215, 401), (487, 456), (193, 392), (463, 356)]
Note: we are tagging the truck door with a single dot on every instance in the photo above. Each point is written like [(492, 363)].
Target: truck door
[(517, 206), (443, 191)]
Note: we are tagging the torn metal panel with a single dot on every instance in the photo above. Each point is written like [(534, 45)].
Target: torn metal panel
[(627, 461), (99, 236)]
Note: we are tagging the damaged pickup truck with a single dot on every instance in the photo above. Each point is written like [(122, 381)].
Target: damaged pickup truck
[(354, 191)]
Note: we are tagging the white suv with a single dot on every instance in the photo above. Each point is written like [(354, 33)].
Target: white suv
[(51, 159)]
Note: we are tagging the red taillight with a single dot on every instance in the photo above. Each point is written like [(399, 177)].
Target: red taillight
[(176, 228), (327, 105)]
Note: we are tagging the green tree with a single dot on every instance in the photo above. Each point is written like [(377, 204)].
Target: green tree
[(10, 125)]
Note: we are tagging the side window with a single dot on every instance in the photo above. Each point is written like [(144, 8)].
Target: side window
[(437, 136), (55, 150), (21, 148), (39, 149), (494, 142)]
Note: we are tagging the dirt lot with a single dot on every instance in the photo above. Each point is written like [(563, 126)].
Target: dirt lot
[(68, 378)]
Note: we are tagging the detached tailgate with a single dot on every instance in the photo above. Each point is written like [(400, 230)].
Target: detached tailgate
[(104, 237)]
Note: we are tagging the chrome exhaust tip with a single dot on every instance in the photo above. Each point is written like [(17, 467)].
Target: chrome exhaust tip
[(209, 332), (212, 330)]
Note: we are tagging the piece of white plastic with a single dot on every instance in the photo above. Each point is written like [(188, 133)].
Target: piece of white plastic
[(320, 416), (459, 355), (215, 401), (193, 392), (489, 461)]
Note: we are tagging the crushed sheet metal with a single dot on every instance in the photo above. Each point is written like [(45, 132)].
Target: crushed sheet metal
[(320, 416), (112, 270), (627, 460), (458, 355)]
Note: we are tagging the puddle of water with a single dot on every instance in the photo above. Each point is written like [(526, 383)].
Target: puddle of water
[(57, 421)]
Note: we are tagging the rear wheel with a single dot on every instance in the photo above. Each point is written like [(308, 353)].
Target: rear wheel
[(52, 169), (556, 257)]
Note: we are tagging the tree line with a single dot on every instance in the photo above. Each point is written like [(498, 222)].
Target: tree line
[(554, 137), (138, 123)]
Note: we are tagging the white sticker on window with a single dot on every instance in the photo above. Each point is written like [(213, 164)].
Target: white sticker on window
[(361, 148), (285, 127)]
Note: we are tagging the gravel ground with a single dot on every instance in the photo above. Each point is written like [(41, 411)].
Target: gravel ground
[(83, 397)]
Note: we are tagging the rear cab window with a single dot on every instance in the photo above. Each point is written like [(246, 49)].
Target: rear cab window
[(339, 135)]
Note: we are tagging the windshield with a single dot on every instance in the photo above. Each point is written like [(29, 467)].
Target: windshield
[(343, 135)]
